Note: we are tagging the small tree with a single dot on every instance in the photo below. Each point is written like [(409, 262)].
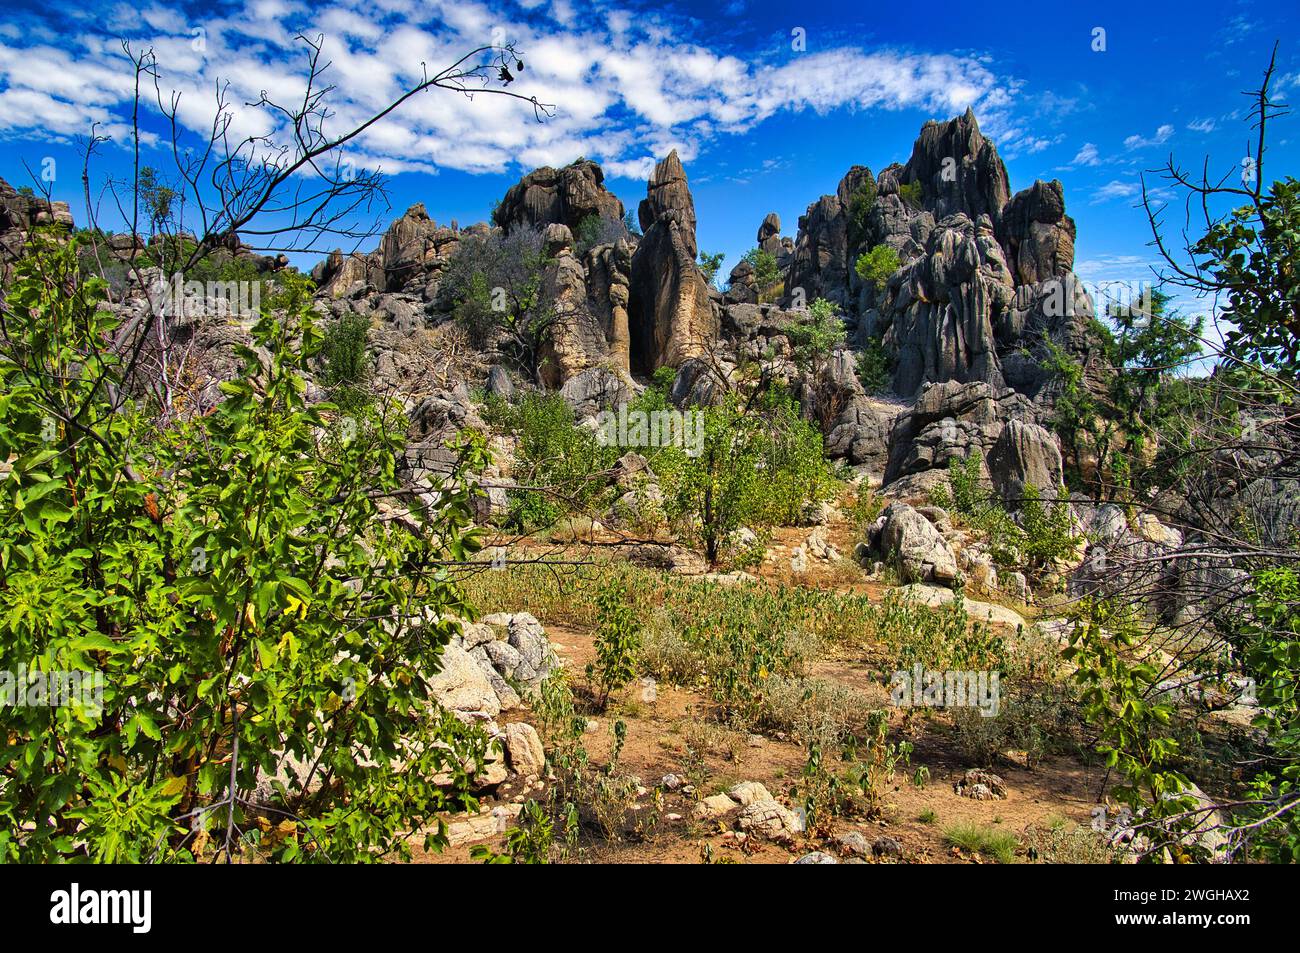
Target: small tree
[(816, 336), (618, 639), (710, 264), (766, 271), (496, 285), (230, 587), (877, 266)]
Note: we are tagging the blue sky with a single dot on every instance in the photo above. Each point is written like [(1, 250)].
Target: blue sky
[(761, 125)]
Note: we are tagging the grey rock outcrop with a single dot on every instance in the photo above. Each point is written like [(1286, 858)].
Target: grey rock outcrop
[(958, 169), (949, 421), (1025, 454), (670, 312), (564, 196)]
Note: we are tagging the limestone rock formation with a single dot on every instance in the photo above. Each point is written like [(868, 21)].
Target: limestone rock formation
[(942, 315), (1037, 234), (564, 196), (958, 169), (822, 261), (670, 312), (949, 421), (1025, 455)]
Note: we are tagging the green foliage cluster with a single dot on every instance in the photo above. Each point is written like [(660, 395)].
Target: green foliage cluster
[(494, 287), (1272, 639), (877, 265), (1252, 256), (552, 451), (758, 466), (1033, 540), (816, 336), (618, 638), (766, 272), (710, 265), (228, 582), (910, 193), (875, 366), (860, 203)]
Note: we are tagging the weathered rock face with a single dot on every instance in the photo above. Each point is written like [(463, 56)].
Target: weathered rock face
[(769, 240), (565, 196), (670, 312), (822, 261), (1037, 234), (959, 170), (609, 275), (577, 340), (1025, 455), (1059, 310), (944, 307), (949, 421), (410, 257)]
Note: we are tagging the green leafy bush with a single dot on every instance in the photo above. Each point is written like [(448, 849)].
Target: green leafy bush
[(875, 367), (228, 584), (814, 337), (766, 272), (876, 266)]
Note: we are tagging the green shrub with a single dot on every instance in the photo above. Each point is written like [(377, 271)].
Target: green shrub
[(875, 367), (816, 336), (977, 839), (343, 350), (876, 266), (766, 272), (860, 203), (240, 601), (618, 638), (910, 193), (554, 452)]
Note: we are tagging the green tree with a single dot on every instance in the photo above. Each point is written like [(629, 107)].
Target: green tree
[(766, 272), (710, 265), (497, 289)]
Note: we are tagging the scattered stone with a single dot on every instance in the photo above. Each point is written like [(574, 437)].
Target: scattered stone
[(981, 785), (524, 749), (854, 843), (886, 847), (714, 807), (817, 857)]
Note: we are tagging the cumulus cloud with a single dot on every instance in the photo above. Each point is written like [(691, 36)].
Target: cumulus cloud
[(1141, 142), (626, 87)]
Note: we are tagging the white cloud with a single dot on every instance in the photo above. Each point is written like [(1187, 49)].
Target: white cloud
[(1140, 142), (1087, 155), (1201, 125), (1114, 189), (625, 85)]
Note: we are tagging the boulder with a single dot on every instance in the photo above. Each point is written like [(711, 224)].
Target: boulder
[(916, 547), (1025, 454), (461, 686), (524, 749)]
